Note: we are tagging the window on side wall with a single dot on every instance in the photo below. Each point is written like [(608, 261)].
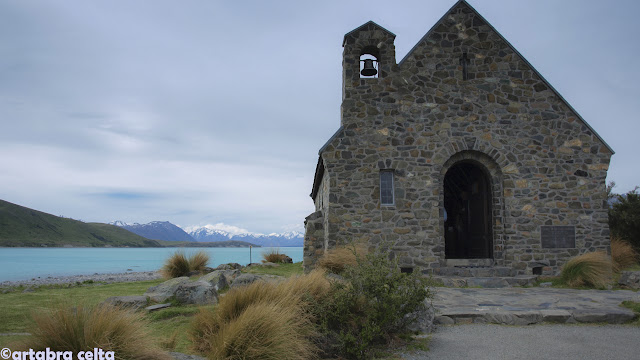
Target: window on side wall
[(386, 187)]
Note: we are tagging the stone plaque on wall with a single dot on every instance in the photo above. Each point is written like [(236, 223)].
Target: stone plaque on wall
[(553, 237)]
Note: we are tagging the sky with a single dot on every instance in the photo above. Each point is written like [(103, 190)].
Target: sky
[(212, 112)]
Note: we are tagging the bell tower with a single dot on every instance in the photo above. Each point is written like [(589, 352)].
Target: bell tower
[(368, 59)]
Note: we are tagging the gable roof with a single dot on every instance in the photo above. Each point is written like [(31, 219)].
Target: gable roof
[(465, 3), (369, 25)]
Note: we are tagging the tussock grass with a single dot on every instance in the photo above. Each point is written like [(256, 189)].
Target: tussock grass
[(83, 328), (592, 269), (236, 310), (179, 264), (338, 259), (198, 261), (623, 255), (265, 331), (273, 255)]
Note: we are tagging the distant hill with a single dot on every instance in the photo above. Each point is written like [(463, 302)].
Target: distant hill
[(156, 230), (209, 234), (24, 227)]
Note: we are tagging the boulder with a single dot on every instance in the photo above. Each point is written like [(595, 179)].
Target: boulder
[(229, 266), (244, 279), (198, 292), (424, 319), (220, 279), (286, 259), (630, 279), (165, 290), (133, 302)]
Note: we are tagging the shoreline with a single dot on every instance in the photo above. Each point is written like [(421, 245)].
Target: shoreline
[(108, 278)]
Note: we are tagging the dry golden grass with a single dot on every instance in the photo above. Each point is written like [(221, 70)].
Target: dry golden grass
[(623, 255), (592, 269), (265, 331), (198, 261), (336, 260), (83, 328), (273, 255), (178, 264), (230, 315)]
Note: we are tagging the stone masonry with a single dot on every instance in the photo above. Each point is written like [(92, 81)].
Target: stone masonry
[(462, 95)]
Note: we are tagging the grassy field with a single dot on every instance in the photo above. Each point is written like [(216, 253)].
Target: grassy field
[(170, 326)]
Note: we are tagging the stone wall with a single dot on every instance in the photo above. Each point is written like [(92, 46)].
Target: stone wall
[(420, 117)]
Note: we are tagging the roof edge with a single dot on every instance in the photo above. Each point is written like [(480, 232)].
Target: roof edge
[(521, 57), (370, 22)]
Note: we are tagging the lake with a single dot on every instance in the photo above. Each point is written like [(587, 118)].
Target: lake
[(27, 263)]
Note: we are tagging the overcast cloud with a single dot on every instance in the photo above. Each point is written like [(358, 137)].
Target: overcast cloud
[(208, 112)]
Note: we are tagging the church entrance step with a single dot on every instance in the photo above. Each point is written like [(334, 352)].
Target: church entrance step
[(472, 271), (486, 282)]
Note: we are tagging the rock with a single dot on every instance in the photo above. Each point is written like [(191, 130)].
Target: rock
[(546, 284), (199, 292), (28, 290), (286, 259), (165, 290), (207, 270), (134, 302), (220, 279), (157, 307), (244, 279), (630, 279), (229, 266), (424, 319)]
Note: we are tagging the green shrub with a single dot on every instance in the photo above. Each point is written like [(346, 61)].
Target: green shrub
[(591, 270), (83, 328), (179, 264), (624, 217), (375, 302)]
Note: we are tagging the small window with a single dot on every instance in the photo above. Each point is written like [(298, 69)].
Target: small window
[(386, 187)]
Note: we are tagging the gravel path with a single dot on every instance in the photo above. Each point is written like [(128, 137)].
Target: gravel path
[(108, 278), (496, 342)]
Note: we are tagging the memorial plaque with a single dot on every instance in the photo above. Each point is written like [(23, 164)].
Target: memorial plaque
[(553, 237)]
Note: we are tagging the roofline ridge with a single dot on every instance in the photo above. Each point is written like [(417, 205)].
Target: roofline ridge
[(542, 78)]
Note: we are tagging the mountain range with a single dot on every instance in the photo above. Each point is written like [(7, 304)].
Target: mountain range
[(164, 230), (25, 227)]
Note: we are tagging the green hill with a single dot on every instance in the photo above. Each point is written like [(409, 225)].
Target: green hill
[(24, 227)]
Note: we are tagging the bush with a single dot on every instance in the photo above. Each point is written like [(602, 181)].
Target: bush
[(84, 328), (274, 256), (624, 217), (179, 264), (590, 269), (338, 259), (198, 261), (265, 331), (296, 295), (623, 255), (376, 302)]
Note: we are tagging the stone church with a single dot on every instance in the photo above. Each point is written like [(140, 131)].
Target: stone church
[(459, 155)]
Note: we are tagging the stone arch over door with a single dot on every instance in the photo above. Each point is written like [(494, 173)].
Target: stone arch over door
[(483, 177)]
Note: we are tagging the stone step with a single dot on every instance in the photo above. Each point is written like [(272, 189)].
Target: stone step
[(471, 271), (485, 282)]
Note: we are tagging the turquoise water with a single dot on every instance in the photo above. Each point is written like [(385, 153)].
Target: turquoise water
[(28, 263)]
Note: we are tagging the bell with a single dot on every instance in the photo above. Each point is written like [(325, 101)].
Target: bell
[(369, 69)]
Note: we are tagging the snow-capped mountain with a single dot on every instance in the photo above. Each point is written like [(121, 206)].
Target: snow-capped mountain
[(164, 230), (222, 232), (156, 230)]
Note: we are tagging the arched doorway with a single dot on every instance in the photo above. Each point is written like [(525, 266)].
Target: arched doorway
[(467, 203)]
